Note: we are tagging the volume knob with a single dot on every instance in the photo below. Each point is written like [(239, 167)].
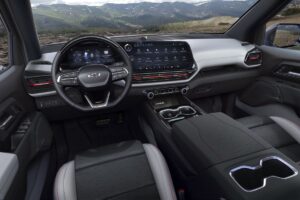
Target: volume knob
[(150, 95), (128, 47), (184, 90)]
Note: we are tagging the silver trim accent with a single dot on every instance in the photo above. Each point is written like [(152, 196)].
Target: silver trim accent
[(179, 112), (43, 94), (294, 73), (6, 121), (260, 166), (176, 119), (58, 79), (101, 105), (255, 50)]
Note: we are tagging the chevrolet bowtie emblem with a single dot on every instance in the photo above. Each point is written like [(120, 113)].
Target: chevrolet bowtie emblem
[(94, 75)]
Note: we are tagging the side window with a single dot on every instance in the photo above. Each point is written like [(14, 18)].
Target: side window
[(283, 30), (4, 60)]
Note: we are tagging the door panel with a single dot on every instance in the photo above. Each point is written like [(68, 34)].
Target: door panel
[(14, 104), (281, 80)]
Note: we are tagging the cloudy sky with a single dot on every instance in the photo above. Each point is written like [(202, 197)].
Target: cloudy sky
[(101, 2)]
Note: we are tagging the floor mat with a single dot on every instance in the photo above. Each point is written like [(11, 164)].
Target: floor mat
[(83, 134), (107, 129)]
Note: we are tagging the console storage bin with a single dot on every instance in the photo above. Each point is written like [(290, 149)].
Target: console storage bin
[(209, 139)]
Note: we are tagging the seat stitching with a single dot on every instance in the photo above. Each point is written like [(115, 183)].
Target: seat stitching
[(111, 160), (138, 188)]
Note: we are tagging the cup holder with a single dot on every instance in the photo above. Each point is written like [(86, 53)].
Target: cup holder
[(180, 112), (251, 179)]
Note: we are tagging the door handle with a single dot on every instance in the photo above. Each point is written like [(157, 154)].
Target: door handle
[(4, 124)]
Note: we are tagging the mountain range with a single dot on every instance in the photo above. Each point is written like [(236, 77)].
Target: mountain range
[(145, 15), (2, 29)]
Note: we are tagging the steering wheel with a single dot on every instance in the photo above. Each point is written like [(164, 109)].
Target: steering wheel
[(95, 83)]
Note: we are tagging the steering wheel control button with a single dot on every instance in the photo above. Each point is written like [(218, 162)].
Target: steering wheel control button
[(119, 73), (68, 79), (70, 75)]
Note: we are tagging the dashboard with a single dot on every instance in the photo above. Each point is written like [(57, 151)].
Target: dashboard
[(152, 61), (158, 62)]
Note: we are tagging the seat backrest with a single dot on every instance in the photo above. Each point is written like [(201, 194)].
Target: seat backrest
[(128, 170)]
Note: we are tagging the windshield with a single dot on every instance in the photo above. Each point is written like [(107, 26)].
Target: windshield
[(60, 20)]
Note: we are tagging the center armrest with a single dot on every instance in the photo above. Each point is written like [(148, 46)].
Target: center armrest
[(211, 139)]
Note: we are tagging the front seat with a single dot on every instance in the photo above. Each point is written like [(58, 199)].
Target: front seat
[(283, 134), (278, 124), (128, 171)]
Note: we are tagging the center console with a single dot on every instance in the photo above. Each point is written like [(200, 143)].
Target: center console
[(242, 165), (171, 109), (160, 61), (215, 157)]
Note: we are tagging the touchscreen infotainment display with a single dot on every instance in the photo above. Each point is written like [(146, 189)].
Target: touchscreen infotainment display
[(159, 56)]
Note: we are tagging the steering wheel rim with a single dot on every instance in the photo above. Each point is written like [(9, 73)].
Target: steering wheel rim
[(90, 106)]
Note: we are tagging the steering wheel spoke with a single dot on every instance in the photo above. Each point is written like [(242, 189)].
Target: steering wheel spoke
[(118, 73), (69, 78), (100, 104)]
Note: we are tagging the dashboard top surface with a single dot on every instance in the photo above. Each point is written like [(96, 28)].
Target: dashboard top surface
[(205, 53)]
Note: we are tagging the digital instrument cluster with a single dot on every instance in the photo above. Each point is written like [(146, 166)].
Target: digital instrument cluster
[(84, 55)]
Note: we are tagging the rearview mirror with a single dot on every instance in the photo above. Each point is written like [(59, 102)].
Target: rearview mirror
[(283, 35)]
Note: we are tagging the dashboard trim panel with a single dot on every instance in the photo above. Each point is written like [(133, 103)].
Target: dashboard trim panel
[(207, 53)]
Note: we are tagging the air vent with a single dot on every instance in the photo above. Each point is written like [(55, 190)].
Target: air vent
[(39, 84), (220, 70), (41, 62), (254, 58)]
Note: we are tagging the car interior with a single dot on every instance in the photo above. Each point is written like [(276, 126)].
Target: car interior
[(147, 100)]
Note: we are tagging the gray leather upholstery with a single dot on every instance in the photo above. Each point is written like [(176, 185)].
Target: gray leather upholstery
[(281, 133), (65, 187), (269, 110), (278, 124), (160, 172), (9, 166), (290, 127)]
